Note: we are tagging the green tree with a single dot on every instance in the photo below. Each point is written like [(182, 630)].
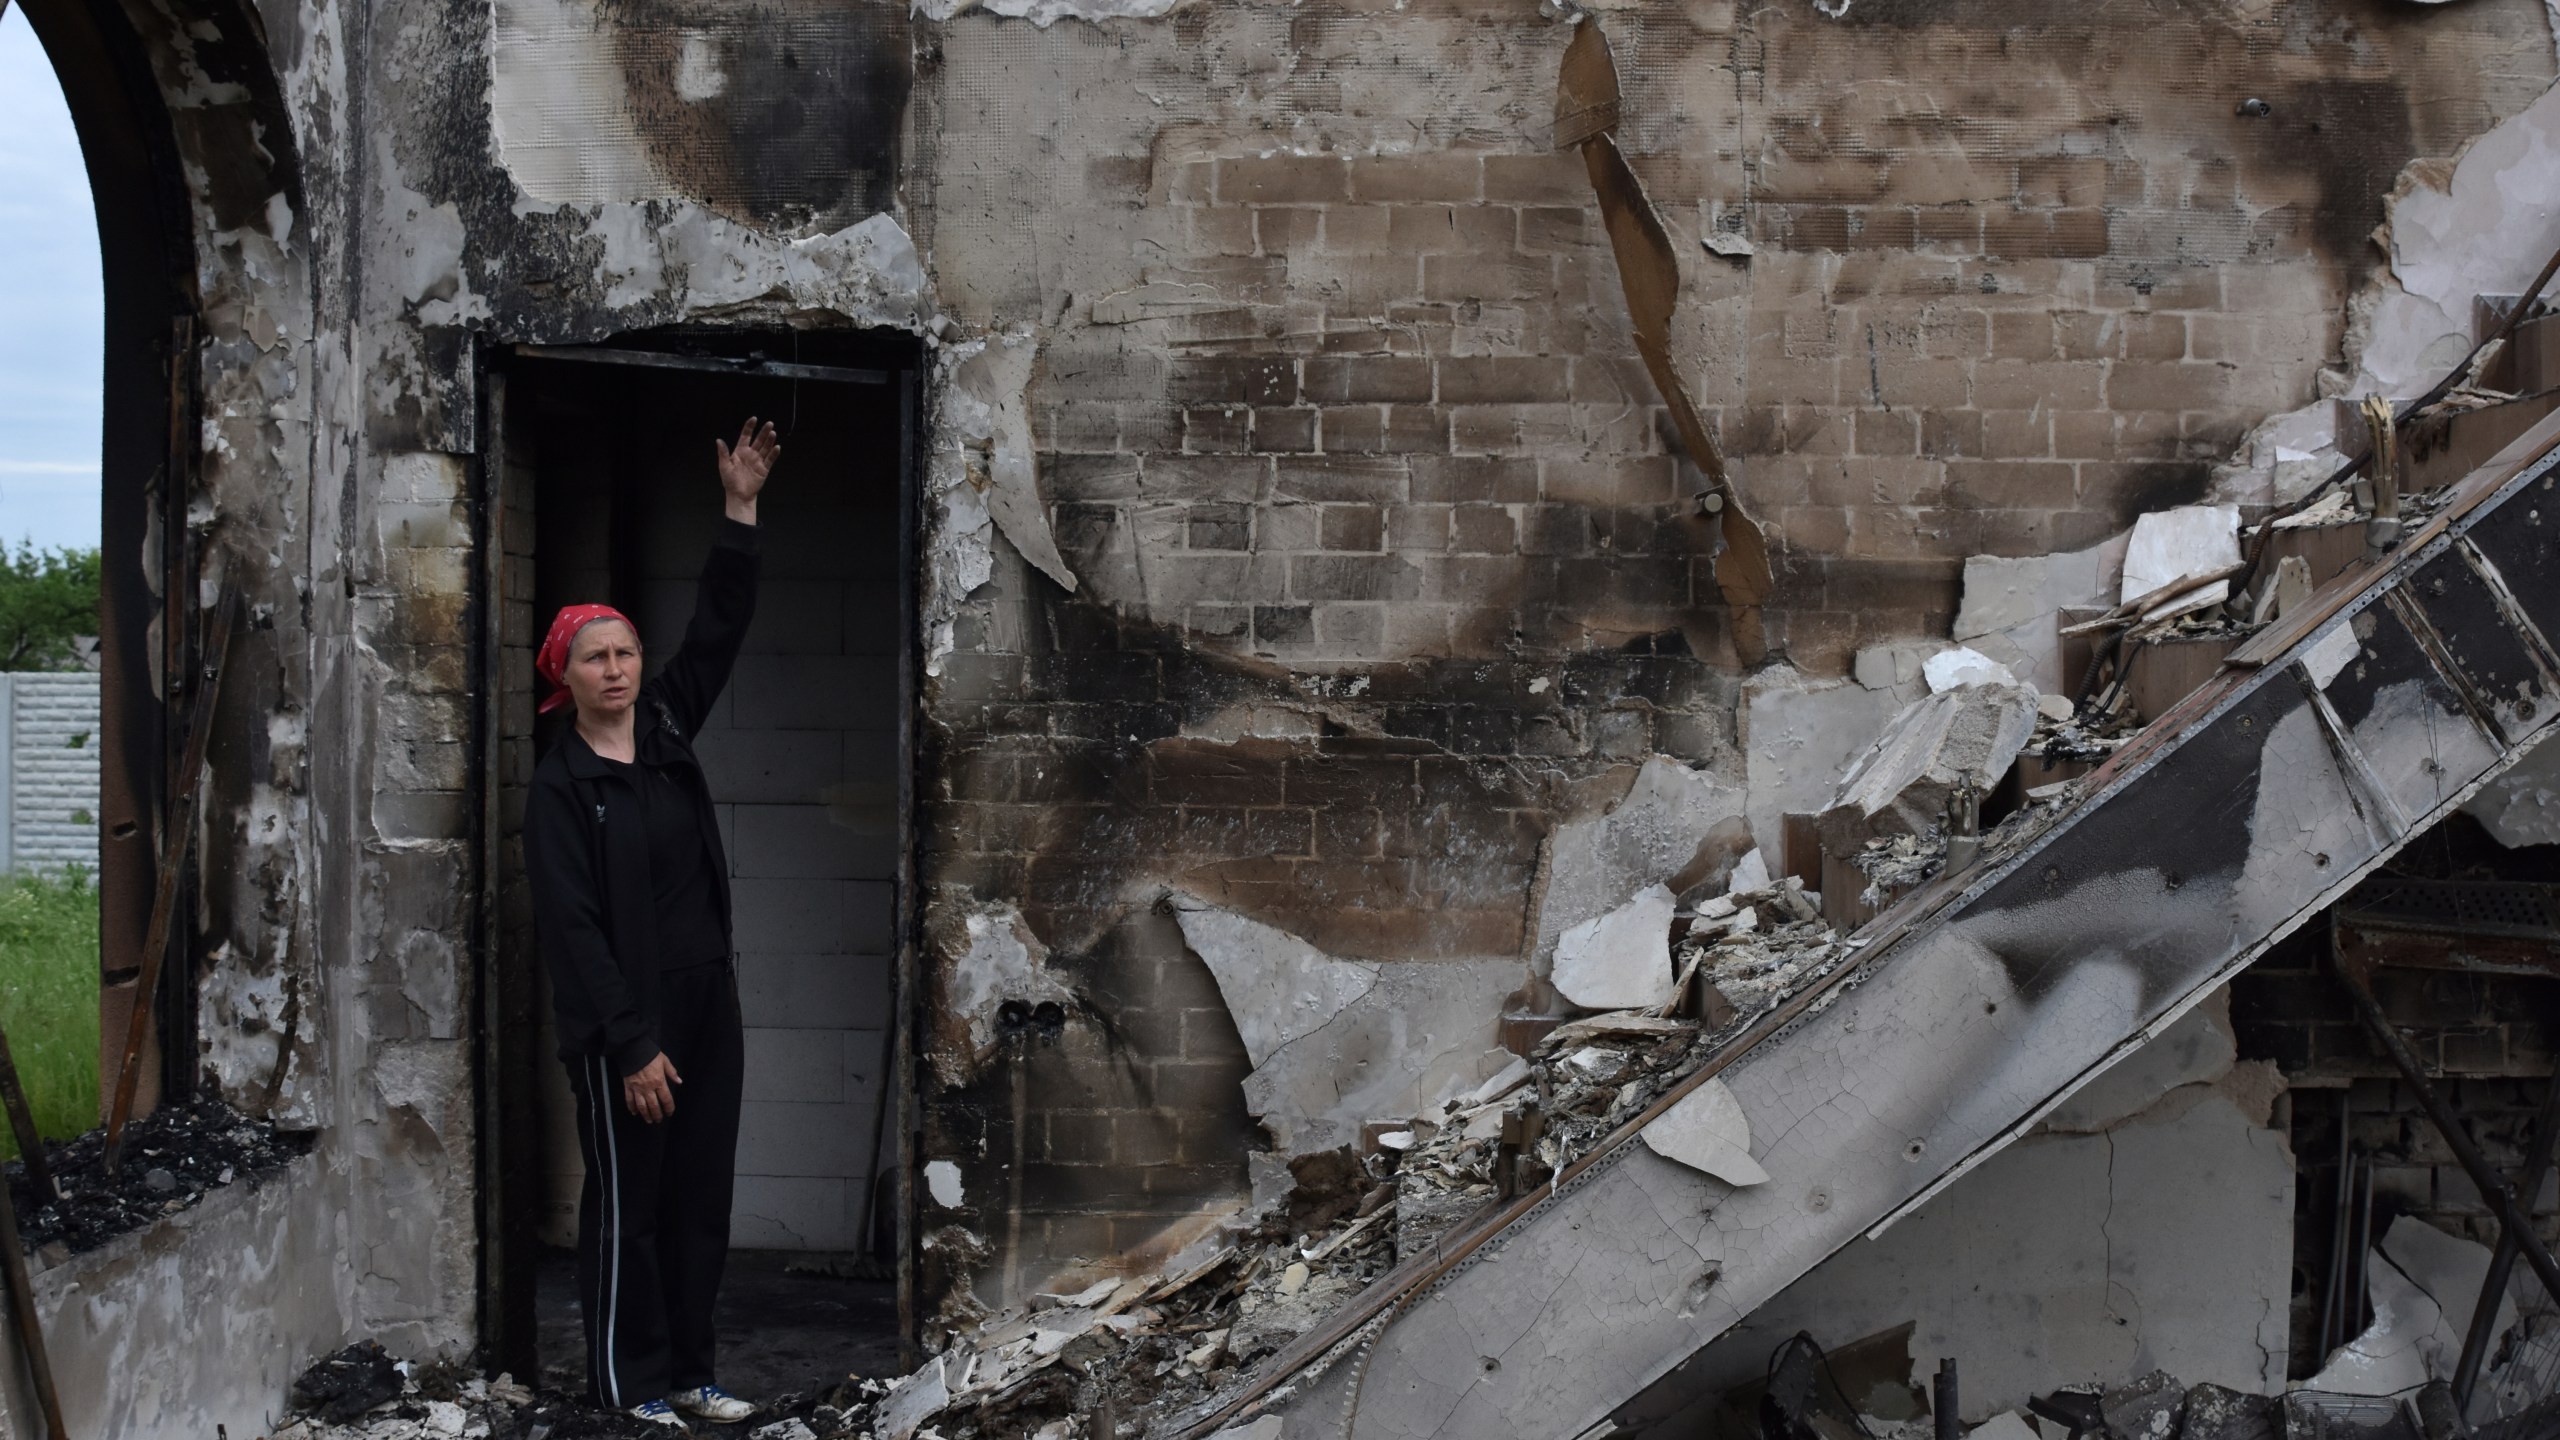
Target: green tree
[(46, 598)]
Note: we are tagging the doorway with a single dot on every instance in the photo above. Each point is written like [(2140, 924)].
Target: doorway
[(601, 488)]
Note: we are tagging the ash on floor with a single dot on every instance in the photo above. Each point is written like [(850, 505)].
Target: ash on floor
[(788, 1324), (172, 1157)]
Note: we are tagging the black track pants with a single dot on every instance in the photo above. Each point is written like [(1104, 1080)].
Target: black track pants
[(653, 1219)]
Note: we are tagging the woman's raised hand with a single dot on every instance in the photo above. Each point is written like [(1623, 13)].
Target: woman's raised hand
[(745, 467)]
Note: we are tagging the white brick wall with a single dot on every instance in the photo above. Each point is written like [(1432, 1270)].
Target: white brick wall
[(51, 770)]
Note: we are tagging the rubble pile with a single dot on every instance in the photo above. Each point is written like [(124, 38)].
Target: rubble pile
[(172, 1156), (1141, 1349), (363, 1393)]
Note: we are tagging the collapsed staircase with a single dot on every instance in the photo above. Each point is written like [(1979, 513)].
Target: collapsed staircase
[(1983, 1000)]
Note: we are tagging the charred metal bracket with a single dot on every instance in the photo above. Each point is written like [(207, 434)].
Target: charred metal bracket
[(2483, 927), (1649, 272)]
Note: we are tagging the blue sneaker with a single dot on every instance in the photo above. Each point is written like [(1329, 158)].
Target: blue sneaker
[(658, 1412), (713, 1404)]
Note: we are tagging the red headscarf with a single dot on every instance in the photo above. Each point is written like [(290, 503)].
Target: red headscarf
[(552, 660)]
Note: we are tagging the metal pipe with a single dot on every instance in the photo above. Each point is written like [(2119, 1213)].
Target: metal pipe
[(1942, 1401), (2360, 1265), (2502, 1262), (2333, 1293), (2493, 1186)]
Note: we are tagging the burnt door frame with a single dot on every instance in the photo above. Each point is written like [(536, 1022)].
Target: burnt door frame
[(504, 1065)]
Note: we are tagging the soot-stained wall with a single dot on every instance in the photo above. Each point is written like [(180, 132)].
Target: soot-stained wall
[(1287, 327)]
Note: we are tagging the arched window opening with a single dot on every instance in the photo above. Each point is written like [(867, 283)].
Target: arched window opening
[(51, 418)]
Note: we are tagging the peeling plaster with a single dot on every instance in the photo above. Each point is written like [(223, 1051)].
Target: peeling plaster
[(988, 407), (1339, 1043), (1045, 13), (1674, 824), (2480, 223), (994, 958)]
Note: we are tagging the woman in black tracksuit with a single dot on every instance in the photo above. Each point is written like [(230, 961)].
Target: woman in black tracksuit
[(631, 898)]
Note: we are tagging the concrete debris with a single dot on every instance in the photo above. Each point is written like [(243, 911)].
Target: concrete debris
[(1706, 1130), (2171, 545), (1750, 875), (1621, 960), (1958, 739), (1676, 827), (1952, 669), (1156, 1345), (2012, 605), (2423, 1285)]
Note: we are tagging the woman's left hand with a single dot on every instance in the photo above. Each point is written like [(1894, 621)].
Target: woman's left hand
[(745, 467)]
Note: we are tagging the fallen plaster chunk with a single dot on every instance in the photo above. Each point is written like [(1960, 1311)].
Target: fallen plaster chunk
[(1266, 1427), (1750, 874), (1674, 827), (1966, 736), (1888, 667), (1505, 1080), (1957, 667), (2056, 708), (2011, 605), (1338, 1043), (2424, 1284), (914, 1400), (1622, 960), (2334, 652), (1796, 732), (1707, 1131), (942, 1178), (2007, 1425), (2173, 544)]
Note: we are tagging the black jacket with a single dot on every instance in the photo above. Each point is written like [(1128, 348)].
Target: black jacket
[(586, 841)]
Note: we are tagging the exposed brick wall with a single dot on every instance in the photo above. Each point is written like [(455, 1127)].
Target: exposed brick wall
[(2488, 1038), (1384, 555)]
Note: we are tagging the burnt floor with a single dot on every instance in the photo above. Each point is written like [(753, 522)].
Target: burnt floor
[(785, 1327)]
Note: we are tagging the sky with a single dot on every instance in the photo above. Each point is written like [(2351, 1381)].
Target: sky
[(51, 308)]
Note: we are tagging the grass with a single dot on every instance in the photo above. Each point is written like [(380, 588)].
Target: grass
[(49, 998)]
